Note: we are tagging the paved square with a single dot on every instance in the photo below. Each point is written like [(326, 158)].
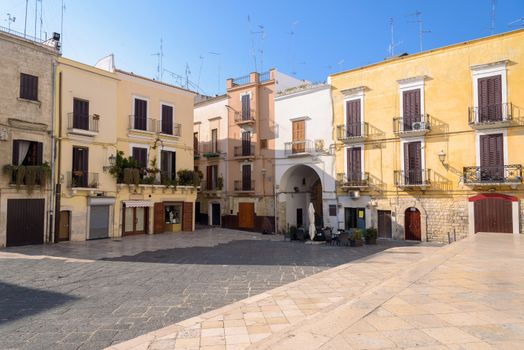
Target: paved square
[(89, 295)]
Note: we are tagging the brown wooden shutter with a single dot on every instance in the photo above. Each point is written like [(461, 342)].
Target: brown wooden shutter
[(209, 177), (246, 143), (39, 153), (159, 219), (354, 163), (140, 114), (411, 108), (187, 216), (246, 113), (167, 119), (140, 155), (298, 136), (484, 151), (246, 177), (413, 162), (490, 98), (15, 152), (353, 118)]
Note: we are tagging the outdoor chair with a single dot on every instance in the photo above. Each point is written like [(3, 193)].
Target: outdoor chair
[(328, 237), (344, 238)]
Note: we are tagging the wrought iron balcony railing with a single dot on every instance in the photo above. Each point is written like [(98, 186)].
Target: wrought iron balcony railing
[(141, 123), (83, 122), (412, 177), (210, 149), (490, 115), (244, 151), (244, 185), (295, 148), (353, 179), (174, 129), (482, 175), (412, 125), (355, 132), (82, 179), (245, 117)]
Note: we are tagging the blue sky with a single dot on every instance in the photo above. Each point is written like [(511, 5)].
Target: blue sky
[(329, 36)]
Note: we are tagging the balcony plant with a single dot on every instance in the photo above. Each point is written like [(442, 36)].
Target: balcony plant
[(370, 235), (220, 183), (356, 237), (125, 170), (28, 175), (188, 177)]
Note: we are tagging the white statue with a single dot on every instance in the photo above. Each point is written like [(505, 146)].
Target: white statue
[(312, 229)]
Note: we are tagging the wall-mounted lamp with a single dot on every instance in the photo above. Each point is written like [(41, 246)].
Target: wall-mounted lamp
[(263, 171), (112, 160), (442, 156)]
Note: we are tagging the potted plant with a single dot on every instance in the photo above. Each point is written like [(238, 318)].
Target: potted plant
[(371, 235), (356, 238), (293, 232)]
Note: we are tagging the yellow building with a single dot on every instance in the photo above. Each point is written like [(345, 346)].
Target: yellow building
[(86, 122), (155, 127), (430, 144)]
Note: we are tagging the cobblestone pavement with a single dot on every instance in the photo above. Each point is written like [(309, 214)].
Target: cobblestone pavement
[(89, 295)]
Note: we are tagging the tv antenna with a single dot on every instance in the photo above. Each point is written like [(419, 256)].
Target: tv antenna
[(63, 7), (392, 44), (517, 23), (10, 19), (184, 81), (200, 69), (493, 16), (160, 66), (217, 54), (421, 30), (41, 18), (338, 64), (188, 73), (36, 13), (254, 50), (292, 46)]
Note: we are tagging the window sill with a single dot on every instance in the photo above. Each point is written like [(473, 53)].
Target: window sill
[(30, 101)]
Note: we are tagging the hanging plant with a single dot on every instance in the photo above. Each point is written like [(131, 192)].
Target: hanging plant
[(20, 175), (30, 178)]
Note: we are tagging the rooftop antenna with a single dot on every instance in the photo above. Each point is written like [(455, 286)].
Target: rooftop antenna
[(63, 7), (291, 49), (41, 18), (10, 19), (493, 16), (517, 23), (36, 13), (253, 50), (338, 64), (421, 31), (392, 44), (25, 20), (261, 50), (159, 66), (188, 72), (217, 54), (184, 81), (200, 69)]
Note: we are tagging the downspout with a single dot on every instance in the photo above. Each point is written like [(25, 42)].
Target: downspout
[(58, 186), (52, 214)]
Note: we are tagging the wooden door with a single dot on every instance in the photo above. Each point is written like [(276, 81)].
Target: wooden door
[(413, 163), (493, 215), (353, 118), (25, 221), (64, 226), (384, 224), (412, 224), (298, 136), (187, 216), (167, 120), (135, 221), (80, 171), (80, 114), (246, 108), (140, 118), (410, 108), (246, 143), (490, 98), (158, 217), (246, 215), (492, 157), (354, 164)]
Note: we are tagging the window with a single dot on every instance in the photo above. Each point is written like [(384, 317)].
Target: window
[(80, 114), (28, 87), (413, 163), (246, 177), (332, 210), (173, 214), (246, 143), (263, 143), (246, 107), (168, 165), (353, 118), (167, 119), (354, 164), (211, 177), (195, 143), (214, 140), (491, 157), (490, 98), (27, 152), (140, 117), (140, 155), (411, 112), (80, 170), (299, 136)]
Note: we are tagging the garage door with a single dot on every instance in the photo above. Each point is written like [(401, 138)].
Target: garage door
[(98, 221), (493, 215), (25, 221)]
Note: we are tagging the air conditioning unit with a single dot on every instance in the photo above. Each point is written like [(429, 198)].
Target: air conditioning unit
[(417, 126), (354, 194)]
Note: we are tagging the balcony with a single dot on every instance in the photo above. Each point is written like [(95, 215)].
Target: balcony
[(80, 124), (491, 176), (298, 148), (416, 178), (245, 117), (166, 128), (352, 133), (81, 179), (406, 126), (488, 117), (211, 150), (353, 181), (241, 80), (244, 186), (137, 123), (244, 152)]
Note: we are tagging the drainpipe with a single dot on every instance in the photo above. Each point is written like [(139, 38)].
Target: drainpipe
[(58, 186), (52, 214)]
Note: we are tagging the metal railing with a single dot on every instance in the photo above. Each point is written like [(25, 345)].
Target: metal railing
[(210, 185), (244, 186), (22, 35), (167, 177), (83, 122), (244, 151), (245, 116), (241, 80), (82, 179), (298, 147), (266, 76), (411, 124), (510, 174), (142, 123), (413, 177), (210, 149), (352, 131), (174, 129), (490, 114), (353, 179)]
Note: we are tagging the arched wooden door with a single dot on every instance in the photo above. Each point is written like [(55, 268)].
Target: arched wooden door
[(412, 224)]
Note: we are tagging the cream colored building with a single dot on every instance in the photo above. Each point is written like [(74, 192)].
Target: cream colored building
[(26, 124)]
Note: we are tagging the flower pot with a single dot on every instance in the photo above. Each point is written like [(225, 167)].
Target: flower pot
[(356, 243), (371, 240)]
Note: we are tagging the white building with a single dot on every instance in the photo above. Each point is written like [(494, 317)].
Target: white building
[(210, 143), (305, 162)]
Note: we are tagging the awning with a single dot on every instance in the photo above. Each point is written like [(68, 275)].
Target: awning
[(102, 200), (137, 204)]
